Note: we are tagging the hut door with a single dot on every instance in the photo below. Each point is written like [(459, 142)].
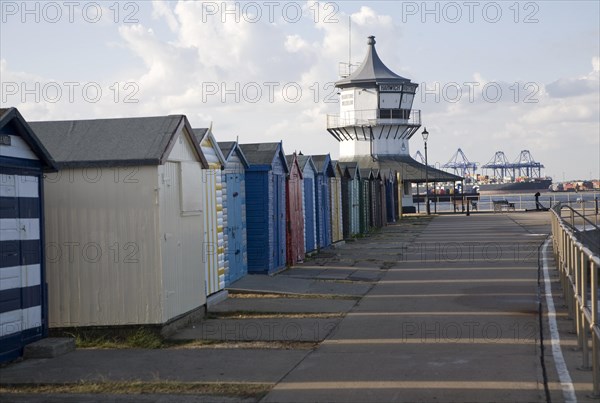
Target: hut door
[(234, 223), (309, 217), (325, 239), (21, 289), (278, 223)]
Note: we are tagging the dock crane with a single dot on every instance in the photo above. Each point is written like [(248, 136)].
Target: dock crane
[(499, 165), (461, 164), (525, 165)]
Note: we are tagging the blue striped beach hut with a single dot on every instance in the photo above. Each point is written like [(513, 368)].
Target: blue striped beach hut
[(23, 291)]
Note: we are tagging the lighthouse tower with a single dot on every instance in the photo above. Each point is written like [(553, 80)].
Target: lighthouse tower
[(376, 116), (375, 123)]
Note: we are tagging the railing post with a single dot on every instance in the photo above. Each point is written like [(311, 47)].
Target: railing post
[(585, 365), (578, 300), (583, 212), (596, 205), (595, 346)]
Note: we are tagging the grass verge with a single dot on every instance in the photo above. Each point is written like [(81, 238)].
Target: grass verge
[(244, 390), (135, 338)]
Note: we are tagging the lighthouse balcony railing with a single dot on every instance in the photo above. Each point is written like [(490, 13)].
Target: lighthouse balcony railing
[(373, 117)]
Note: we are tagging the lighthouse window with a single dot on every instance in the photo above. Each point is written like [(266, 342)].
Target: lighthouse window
[(348, 99), (389, 100)]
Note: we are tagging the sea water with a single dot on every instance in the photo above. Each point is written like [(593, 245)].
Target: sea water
[(524, 201)]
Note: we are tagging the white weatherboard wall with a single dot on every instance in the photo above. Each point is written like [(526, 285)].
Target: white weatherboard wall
[(123, 243), (214, 245)]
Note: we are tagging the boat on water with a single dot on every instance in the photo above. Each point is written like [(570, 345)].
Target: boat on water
[(523, 185)]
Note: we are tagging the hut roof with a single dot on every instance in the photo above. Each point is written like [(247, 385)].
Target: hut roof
[(113, 142)]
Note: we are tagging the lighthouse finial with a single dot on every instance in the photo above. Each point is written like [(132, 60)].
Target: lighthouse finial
[(371, 40)]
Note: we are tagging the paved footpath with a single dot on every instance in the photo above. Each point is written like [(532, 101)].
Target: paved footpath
[(455, 320), (435, 311)]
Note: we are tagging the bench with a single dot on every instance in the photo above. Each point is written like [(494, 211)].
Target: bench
[(461, 204), (503, 205)]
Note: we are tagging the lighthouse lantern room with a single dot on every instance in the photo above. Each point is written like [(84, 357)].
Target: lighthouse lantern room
[(376, 116)]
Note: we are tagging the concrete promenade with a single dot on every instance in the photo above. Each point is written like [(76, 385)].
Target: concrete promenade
[(455, 320), (446, 310)]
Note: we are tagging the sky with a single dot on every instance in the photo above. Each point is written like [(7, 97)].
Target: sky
[(493, 76)]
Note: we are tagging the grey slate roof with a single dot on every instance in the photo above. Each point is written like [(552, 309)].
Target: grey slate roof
[(303, 160), (12, 117), (199, 133), (371, 71), (319, 161), (226, 147), (112, 142), (365, 173), (351, 166), (409, 169), (260, 153)]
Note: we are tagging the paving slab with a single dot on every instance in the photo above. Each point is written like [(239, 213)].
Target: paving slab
[(363, 275), (340, 274), (368, 264), (183, 365), (284, 305), (303, 272), (260, 329), (290, 285)]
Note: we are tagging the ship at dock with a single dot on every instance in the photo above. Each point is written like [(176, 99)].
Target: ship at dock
[(516, 186)]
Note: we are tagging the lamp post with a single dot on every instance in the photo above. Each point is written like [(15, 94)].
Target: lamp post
[(425, 135)]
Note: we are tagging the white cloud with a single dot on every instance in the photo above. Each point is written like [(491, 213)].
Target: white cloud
[(161, 9), (174, 76), (294, 43)]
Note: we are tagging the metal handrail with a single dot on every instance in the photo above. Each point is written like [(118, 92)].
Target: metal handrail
[(370, 117), (558, 207), (578, 271)]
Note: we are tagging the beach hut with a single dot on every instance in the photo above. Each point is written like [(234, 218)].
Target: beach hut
[(234, 211), (323, 205), (375, 186), (391, 196), (124, 222), (214, 239), (350, 198), (335, 197), (265, 207), (295, 214), (382, 194), (23, 297), (309, 204), (365, 200)]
